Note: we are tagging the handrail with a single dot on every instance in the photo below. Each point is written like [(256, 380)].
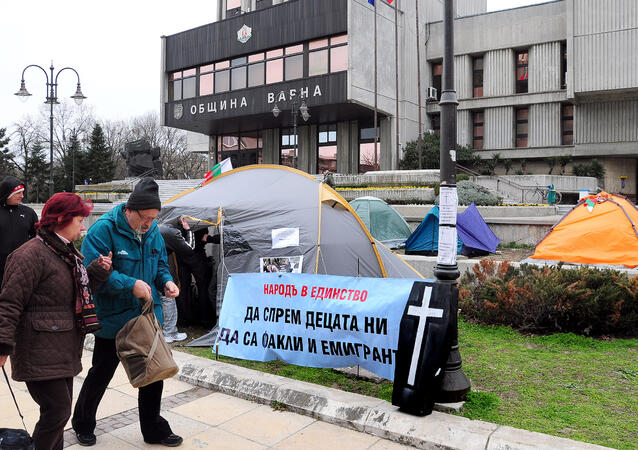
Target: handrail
[(499, 179)]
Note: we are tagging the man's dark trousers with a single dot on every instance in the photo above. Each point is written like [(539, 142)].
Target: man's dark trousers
[(105, 361), (54, 398)]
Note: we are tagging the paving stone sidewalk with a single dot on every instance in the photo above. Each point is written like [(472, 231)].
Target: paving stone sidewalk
[(221, 406)]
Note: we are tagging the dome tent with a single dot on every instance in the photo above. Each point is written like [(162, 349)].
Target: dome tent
[(268, 212), (383, 222), (600, 229)]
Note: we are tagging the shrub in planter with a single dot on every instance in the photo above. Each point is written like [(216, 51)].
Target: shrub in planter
[(549, 299), (469, 192)]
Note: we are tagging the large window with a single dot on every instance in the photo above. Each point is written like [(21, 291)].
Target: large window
[(437, 73), (477, 76), (521, 71), (242, 149), (477, 129), (522, 126), (323, 56), (563, 65), (369, 159), (182, 84), (289, 148), (327, 148), (567, 124)]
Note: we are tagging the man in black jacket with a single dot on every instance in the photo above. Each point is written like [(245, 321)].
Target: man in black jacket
[(17, 222)]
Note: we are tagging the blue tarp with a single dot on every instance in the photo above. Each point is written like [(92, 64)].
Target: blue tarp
[(474, 236), (425, 239)]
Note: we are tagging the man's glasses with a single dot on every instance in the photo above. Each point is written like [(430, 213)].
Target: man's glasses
[(145, 219)]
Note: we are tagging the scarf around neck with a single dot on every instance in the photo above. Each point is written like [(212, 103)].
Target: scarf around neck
[(73, 258)]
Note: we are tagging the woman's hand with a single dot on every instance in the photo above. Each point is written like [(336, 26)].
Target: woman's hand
[(105, 262), (3, 360)]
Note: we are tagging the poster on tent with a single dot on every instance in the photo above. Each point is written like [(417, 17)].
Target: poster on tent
[(285, 264), (314, 320)]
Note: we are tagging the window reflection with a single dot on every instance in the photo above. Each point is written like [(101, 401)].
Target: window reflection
[(327, 158), (368, 161), (294, 67), (339, 58), (206, 84), (239, 78), (188, 87), (256, 74), (274, 71), (318, 63), (222, 81)]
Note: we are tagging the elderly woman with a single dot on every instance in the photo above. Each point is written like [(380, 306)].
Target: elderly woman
[(45, 311)]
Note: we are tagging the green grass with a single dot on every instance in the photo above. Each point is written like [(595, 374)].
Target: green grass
[(564, 385)]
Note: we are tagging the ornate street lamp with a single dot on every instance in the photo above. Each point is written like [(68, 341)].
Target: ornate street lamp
[(51, 99), (305, 115)]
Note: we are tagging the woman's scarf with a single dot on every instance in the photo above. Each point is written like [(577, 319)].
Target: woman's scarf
[(85, 315)]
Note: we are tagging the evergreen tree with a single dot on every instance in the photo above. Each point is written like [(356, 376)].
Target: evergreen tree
[(7, 166), (37, 169), (74, 162), (430, 154), (101, 167)]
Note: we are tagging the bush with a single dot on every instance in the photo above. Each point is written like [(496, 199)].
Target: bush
[(469, 192), (462, 177), (594, 169), (550, 299)]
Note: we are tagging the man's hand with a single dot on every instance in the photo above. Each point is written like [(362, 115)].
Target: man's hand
[(171, 290), (105, 261), (185, 223), (3, 360), (142, 290)]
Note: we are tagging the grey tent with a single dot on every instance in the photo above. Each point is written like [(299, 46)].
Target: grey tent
[(383, 222), (274, 218)]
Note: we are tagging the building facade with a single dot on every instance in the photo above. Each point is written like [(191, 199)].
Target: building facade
[(555, 79), (533, 83), (293, 82)]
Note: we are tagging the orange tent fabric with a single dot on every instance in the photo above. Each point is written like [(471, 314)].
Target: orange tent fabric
[(600, 229)]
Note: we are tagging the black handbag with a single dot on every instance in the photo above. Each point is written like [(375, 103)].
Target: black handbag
[(11, 438)]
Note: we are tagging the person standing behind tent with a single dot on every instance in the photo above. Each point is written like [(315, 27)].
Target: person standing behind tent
[(45, 293), (179, 243), (17, 222), (140, 272), (199, 310)]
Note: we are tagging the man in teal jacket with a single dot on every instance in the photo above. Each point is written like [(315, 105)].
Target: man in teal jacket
[(140, 271)]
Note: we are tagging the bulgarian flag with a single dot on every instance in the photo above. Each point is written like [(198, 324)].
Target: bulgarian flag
[(218, 169), (372, 2)]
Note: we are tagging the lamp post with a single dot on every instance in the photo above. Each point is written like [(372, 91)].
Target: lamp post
[(51, 99), (305, 115), (455, 384)]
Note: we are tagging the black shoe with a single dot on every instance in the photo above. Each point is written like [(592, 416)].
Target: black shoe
[(86, 440), (172, 440)]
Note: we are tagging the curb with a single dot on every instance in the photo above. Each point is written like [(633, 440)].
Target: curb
[(366, 414)]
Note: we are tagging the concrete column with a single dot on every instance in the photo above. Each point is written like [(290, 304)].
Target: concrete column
[(312, 149), (221, 9), (304, 148), (270, 150), (163, 81), (343, 147), (387, 144), (353, 153)]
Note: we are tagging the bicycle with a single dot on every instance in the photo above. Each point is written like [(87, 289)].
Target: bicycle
[(539, 195)]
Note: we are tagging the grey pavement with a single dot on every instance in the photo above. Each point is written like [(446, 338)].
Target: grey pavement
[(218, 405)]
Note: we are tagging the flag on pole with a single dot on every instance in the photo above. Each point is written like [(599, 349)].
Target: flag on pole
[(218, 169), (372, 2)]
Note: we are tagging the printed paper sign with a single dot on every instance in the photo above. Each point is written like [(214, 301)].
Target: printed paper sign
[(285, 237), (448, 205), (315, 320), (448, 242)]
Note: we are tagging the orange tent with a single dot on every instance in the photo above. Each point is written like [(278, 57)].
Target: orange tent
[(600, 229)]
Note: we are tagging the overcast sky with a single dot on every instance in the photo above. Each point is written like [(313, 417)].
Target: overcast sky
[(114, 46)]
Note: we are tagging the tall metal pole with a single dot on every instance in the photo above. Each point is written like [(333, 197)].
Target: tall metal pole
[(419, 144), (455, 384), (52, 96), (294, 126), (396, 71), (376, 126)]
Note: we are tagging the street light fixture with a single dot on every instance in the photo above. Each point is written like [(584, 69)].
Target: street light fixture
[(51, 99), (305, 115)]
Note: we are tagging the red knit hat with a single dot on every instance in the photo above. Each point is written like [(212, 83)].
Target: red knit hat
[(18, 188)]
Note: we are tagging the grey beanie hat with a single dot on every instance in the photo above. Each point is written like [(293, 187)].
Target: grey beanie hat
[(145, 195)]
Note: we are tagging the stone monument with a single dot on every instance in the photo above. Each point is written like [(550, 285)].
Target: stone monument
[(141, 159)]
